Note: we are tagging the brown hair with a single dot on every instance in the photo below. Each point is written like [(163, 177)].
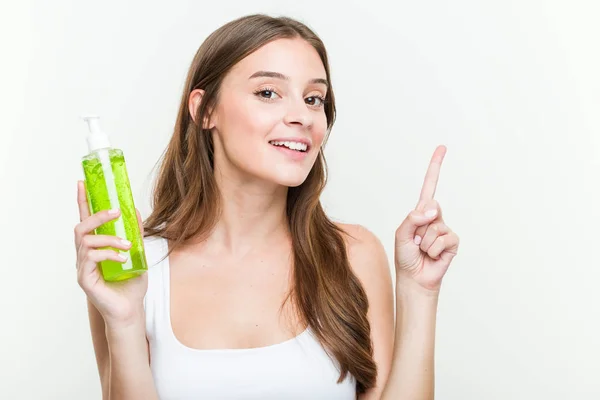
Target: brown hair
[(186, 200)]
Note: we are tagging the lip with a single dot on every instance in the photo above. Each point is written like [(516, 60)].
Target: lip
[(292, 154), (294, 139)]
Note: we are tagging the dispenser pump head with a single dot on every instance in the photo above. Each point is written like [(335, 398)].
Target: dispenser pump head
[(96, 139)]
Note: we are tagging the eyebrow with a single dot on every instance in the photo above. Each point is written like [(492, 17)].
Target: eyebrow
[(278, 75)]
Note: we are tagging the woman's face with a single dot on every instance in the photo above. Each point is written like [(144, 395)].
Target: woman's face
[(270, 121)]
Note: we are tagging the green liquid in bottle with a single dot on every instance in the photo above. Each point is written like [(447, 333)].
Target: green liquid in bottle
[(107, 186)]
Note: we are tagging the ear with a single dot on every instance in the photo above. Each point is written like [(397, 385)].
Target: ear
[(194, 103)]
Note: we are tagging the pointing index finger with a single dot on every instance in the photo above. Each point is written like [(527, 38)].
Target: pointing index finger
[(432, 175)]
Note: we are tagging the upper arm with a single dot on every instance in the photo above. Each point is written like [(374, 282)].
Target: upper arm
[(370, 264), (100, 346)]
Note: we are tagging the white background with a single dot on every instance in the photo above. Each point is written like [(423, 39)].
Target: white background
[(512, 88)]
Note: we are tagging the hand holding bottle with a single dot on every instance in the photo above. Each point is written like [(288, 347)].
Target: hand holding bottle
[(117, 302)]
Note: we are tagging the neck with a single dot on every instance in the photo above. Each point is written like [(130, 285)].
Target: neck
[(253, 214)]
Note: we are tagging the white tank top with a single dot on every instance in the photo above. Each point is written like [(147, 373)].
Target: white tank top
[(298, 368)]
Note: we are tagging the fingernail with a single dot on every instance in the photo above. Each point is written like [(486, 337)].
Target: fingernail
[(418, 239), (125, 242), (114, 211), (431, 213), (122, 257)]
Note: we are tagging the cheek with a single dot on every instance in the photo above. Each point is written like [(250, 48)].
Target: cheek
[(319, 130), (247, 122)]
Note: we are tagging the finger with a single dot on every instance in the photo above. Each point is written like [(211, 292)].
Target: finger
[(94, 221), (434, 230), (98, 241), (429, 206), (444, 246), (85, 269), (433, 174), (140, 222), (89, 263), (103, 255), (84, 210), (406, 231)]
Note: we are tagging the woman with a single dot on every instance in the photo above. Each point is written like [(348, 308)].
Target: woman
[(252, 292)]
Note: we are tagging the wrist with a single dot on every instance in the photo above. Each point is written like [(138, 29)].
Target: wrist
[(409, 288), (121, 334), (132, 322), (415, 305)]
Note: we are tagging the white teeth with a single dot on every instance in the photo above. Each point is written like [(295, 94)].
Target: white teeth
[(291, 145)]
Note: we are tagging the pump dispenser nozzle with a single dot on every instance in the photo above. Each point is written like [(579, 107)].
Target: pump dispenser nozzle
[(96, 139)]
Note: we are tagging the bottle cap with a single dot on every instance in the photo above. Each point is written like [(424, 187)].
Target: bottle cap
[(96, 139)]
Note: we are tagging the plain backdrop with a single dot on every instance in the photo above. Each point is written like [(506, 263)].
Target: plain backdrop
[(511, 87)]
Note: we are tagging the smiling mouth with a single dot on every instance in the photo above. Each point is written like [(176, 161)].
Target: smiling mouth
[(296, 146)]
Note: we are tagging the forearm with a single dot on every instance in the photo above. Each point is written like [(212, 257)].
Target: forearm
[(130, 374), (412, 373)]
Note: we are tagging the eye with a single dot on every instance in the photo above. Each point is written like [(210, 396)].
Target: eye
[(266, 94), (315, 101)]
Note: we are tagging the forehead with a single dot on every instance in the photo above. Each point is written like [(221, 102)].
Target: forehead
[(295, 58)]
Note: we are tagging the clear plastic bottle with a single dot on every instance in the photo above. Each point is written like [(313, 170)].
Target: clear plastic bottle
[(107, 187)]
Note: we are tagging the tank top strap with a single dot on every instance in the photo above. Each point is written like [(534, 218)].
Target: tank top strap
[(156, 298)]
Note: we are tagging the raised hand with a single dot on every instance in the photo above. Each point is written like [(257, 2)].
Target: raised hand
[(117, 302), (425, 245)]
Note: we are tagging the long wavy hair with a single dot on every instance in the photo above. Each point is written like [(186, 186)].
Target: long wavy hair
[(186, 201)]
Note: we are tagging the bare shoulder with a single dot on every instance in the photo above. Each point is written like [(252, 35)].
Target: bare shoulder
[(366, 253), (370, 264)]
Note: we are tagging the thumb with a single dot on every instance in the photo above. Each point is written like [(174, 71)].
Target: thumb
[(415, 219), (140, 223), (84, 210)]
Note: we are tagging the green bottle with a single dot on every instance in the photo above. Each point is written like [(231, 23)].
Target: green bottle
[(107, 187)]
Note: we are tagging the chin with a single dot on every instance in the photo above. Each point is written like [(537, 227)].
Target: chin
[(289, 178)]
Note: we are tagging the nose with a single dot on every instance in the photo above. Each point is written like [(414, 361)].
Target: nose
[(297, 113)]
